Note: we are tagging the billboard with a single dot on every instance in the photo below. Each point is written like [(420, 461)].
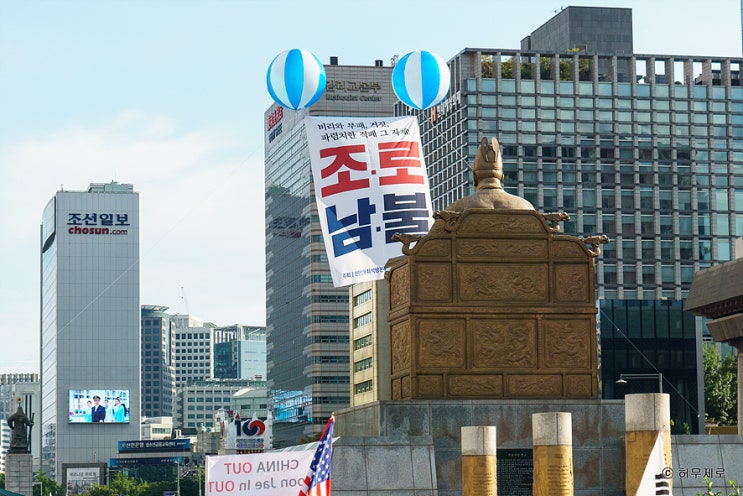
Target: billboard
[(254, 434), (79, 478), (91, 406)]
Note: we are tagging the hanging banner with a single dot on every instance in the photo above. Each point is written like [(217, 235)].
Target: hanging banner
[(260, 474), (370, 183)]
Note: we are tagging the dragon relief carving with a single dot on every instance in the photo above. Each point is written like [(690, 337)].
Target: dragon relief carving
[(476, 385), (502, 344), (512, 284), (534, 385), (572, 284), (567, 344), (490, 249), (434, 282), (440, 347), (400, 348), (399, 287)]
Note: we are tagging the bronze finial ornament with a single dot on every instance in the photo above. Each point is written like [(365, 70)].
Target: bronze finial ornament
[(488, 175)]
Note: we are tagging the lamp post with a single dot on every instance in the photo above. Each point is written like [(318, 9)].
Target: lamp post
[(624, 377)]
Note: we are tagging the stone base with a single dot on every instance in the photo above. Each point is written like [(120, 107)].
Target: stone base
[(598, 445), (19, 473), (598, 434)]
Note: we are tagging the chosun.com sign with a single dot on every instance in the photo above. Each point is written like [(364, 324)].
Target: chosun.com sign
[(97, 223)]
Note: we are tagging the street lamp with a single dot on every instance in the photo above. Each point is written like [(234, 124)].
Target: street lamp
[(624, 377)]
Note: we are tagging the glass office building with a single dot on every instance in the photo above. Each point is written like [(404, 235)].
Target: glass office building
[(647, 149), (307, 318), (158, 362), (90, 319)]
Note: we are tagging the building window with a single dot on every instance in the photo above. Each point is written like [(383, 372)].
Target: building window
[(364, 364), (362, 298), (363, 387), (362, 320), (362, 342)]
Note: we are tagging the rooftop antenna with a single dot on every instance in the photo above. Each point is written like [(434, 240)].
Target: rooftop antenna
[(185, 300)]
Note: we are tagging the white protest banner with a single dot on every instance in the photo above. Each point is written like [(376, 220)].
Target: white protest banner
[(370, 183), (259, 474)]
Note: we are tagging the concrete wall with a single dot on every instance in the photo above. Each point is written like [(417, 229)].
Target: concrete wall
[(598, 445), (720, 457), (381, 466)]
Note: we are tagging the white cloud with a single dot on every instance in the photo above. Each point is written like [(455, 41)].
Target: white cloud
[(201, 214)]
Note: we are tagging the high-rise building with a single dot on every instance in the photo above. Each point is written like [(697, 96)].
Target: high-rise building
[(306, 317), (370, 342), (4, 444), (8, 396), (89, 322), (194, 341), (158, 361), (239, 352), (647, 149), (198, 403), (584, 29)]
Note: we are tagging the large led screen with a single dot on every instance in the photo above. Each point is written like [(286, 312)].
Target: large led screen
[(91, 406)]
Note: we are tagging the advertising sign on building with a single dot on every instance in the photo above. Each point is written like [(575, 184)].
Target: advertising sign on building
[(247, 435), (157, 445), (80, 479), (370, 183)]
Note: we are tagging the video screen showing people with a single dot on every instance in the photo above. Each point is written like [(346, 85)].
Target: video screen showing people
[(91, 406)]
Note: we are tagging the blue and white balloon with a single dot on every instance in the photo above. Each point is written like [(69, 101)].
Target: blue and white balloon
[(421, 79), (296, 79)]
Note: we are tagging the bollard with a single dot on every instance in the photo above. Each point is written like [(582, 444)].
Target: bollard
[(552, 436), (644, 416), (478, 461)]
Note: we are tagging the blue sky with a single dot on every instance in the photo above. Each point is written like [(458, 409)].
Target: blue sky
[(169, 96)]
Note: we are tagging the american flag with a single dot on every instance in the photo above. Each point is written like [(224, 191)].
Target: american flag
[(317, 481)]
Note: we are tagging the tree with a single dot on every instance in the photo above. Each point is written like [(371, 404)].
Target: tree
[(2, 481), (120, 484), (50, 486), (720, 386)]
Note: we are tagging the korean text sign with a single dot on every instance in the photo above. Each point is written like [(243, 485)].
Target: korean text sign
[(260, 474), (370, 183)]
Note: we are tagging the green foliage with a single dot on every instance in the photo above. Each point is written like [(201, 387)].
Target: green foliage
[(310, 439), (50, 487), (720, 386), (734, 489), (120, 484), (2, 481), (683, 428), (486, 66)]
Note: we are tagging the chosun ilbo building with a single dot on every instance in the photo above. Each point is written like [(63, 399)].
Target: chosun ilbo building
[(89, 324)]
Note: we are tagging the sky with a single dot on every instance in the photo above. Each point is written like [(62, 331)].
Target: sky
[(170, 96)]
